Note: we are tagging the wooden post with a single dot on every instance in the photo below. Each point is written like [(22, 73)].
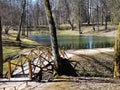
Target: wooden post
[(30, 69), (9, 69), (21, 63)]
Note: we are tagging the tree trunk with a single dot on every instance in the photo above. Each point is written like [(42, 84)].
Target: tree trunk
[(98, 17), (1, 52), (71, 24), (93, 25), (117, 54), (102, 20), (21, 21), (80, 32), (53, 37), (89, 12), (105, 22), (68, 18), (7, 28)]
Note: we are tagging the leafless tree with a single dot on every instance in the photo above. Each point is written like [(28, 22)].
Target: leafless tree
[(53, 35), (1, 52), (21, 20)]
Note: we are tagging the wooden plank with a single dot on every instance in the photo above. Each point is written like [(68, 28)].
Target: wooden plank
[(30, 69), (9, 69)]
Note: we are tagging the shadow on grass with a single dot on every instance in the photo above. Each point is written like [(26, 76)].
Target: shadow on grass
[(88, 79), (20, 44), (93, 66)]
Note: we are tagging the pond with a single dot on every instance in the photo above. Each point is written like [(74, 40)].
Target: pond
[(77, 42)]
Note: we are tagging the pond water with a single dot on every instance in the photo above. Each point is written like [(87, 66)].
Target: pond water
[(77, 42)]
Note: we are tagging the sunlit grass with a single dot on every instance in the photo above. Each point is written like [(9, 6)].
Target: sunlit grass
[(11, 47), (10, 51), (67, 32)]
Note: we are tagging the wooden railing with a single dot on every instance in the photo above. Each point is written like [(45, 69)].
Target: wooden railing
[(36, 60)]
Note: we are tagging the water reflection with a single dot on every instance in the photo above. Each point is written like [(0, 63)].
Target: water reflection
[(90, 42), (77, 42)]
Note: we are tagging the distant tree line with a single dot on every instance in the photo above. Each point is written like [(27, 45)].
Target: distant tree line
[(64, 11)]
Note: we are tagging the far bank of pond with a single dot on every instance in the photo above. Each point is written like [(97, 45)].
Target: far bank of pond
[(77, 42)]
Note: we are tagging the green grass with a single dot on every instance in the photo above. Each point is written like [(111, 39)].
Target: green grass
[(10, 51), (11, 47)]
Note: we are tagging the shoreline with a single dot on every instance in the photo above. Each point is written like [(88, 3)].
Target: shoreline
[(71, 53)]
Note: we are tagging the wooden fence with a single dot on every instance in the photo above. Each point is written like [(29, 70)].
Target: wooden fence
[(36, 60)]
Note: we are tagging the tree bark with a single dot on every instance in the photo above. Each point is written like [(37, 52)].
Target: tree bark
[(102, 20), (1, 52), (21, 21), (98, 17), (117, 54), (68, 18), (53, 36), (71, 24), (89, 12), (80, 32), (106, 22)]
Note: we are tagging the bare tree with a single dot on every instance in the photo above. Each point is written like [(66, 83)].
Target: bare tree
[(61, 66), (1, 52), (88, 11), (69, 13), (80, 13), (105, 6), (21, 20), (115, 11), (55, 11), (53, 35)]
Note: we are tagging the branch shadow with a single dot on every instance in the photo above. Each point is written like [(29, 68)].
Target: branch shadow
[(93, 66), (88, 79)]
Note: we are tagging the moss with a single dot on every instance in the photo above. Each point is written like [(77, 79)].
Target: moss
[(117, 54)]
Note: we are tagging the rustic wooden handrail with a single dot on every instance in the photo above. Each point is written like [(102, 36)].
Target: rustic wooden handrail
[(42, 55)]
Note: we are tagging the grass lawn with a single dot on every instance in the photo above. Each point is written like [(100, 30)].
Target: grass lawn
[(11, 47)]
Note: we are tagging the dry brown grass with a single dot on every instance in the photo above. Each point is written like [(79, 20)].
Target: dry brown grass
[(98, 65)]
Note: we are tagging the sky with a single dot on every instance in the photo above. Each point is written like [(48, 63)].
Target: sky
[(33, 0)]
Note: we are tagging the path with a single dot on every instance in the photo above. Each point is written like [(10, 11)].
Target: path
[(19, 84), (71, 53)]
